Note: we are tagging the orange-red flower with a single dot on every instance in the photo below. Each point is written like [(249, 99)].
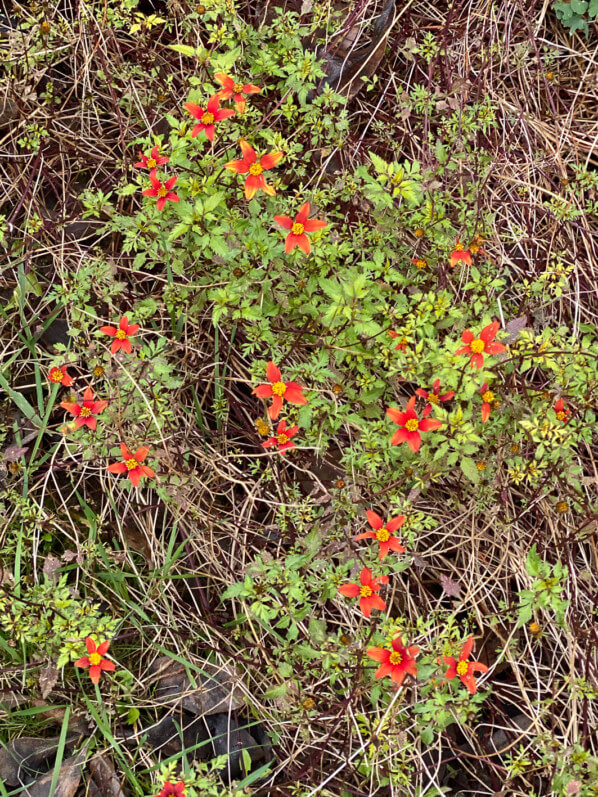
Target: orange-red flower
[(278, 390), (163, 192), (487, 399), (411, 425), (121, 335), (435, 395), (366, 590), (235, 90), (459, 254), (254, 168), (396, 662), (172, 789), (559, 410), (152, 160), (95, 659), (59, 375), (131, 464), (402, 344), (213, 113), (384, 534), (463, 668), (485, 344), (86, 412), (298, 228), (282, 438)]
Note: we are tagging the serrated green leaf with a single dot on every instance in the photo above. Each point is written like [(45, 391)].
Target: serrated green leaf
[(470, 470), (184, 49)]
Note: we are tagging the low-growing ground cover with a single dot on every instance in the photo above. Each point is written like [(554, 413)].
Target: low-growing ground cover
[(298, 396)]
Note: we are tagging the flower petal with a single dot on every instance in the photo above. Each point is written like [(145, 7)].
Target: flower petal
[(90, 645), (395, 523), (374, 519), (273, 372), (399, 437), (295, 396), (311, 225), (349, 590), (270, 160), (285, 221), (396, 415), (378, 654), (262, 391), (276, 407), (414, 441)]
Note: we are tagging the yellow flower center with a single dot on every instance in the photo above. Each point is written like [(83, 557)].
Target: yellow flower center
[(433, 398), (462, 668), (395, 657), (262, 427), (420, 264), (121, 334), (365, 592), (162, 191), (95, 659), (412, 425), (238, 88), (85, 412), (561, 415), (279, 388), (488, 396), (255, 169), (56, 375), (383, 535), (131, 463), (282, 438), (98, 371), (481, 464), (477, 346), (151, 163), (297, 228), (207, 118)]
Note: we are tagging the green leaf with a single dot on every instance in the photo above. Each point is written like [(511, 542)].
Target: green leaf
[(533, 563), (470, 470), (380, 165), (276, 692), (184, 49)]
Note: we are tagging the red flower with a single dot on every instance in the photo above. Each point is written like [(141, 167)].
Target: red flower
[(95, 661), (435, 396), (460, 254), (59, 375), (366, 589), (298, 228), (86, 412), (163, 192), (485, 343), (175, 789), (253, 168), (121, 335), (402, 344), (278, 390), (282, 439), (131, 464), (487, 398), (396, 662), (464, 668), (559, 410), (231, 88), (411, 425), (384, 533), (152, 160), (207, 118)]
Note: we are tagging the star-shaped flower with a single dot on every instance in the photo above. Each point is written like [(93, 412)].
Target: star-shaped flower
[(212, 114), (85, 413)]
